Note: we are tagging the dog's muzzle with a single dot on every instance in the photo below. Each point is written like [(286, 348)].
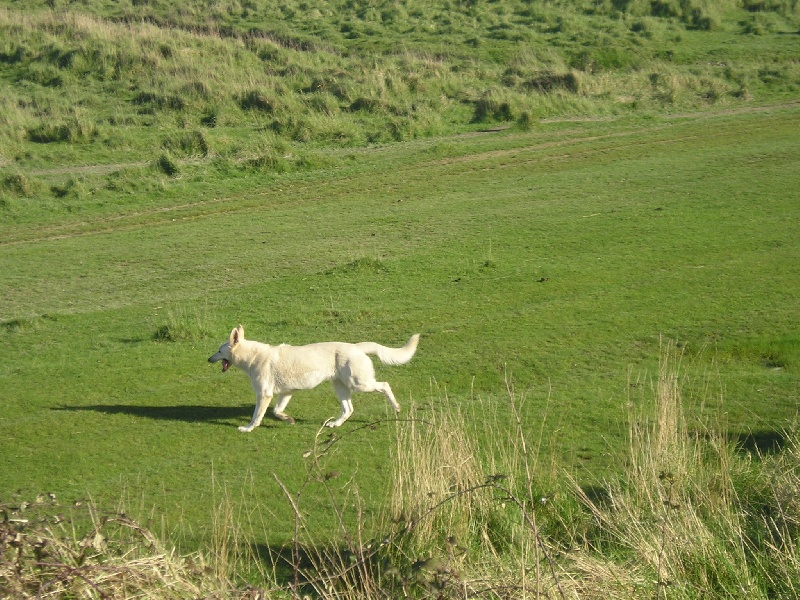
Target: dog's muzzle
[(225, 363)]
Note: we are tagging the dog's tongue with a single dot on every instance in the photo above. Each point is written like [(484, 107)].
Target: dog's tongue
[(225, 365)]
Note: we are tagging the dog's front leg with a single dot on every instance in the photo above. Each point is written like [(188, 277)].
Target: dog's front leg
[(262, 402)]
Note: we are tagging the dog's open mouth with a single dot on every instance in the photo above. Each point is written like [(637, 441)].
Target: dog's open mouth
[(225, 365)]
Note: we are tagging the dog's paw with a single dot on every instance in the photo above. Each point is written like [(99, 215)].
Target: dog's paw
[(245, 429), (331, 423), (285, 418)]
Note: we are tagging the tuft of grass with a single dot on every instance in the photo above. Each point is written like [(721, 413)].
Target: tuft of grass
[(19, 184), (167, 165), (190, 144), (73, 187), (73, 130), (493, 106), (436, 458), (183, 325), (525, 121)]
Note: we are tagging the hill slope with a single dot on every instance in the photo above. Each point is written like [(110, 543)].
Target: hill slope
[(264, 85)]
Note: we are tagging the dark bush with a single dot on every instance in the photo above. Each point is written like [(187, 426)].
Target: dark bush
[(256, 100), (193, 143), (167, 165)]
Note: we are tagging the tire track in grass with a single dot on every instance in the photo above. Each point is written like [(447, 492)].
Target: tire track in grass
[(235, 204)]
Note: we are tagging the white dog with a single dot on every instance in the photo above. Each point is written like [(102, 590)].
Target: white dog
[(282, 370)]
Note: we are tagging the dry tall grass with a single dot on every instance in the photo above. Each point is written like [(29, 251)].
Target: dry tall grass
[(692, 516), (44, 554), (689, 516)]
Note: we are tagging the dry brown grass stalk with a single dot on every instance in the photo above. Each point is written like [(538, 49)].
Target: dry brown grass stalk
[(90, 555)]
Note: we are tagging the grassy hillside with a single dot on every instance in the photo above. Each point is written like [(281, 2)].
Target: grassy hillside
[(138, 90)]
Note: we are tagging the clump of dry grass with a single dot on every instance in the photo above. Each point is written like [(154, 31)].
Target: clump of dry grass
[(437, 460), (466, 519), (691, 516), (88, 555)]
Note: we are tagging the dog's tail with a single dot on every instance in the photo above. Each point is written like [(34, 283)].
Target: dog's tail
[(391, 356)]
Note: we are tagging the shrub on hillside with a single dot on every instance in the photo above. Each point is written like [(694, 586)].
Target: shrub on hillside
[(193, 143), (18, 184), (167, 165)]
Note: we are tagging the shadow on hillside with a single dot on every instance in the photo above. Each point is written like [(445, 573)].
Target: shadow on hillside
[(189, 413), (759, 442)]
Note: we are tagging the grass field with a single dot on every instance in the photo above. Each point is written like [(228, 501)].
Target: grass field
[(548, 244), (556, 258)]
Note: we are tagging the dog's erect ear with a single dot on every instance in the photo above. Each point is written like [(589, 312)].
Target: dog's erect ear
[(237, 335)]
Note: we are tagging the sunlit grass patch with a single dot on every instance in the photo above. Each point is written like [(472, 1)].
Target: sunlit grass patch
[(183, 324)]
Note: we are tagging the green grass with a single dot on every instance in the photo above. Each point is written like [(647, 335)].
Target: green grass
[(545, 192), (475, 505), (92, 92), (557, 258)]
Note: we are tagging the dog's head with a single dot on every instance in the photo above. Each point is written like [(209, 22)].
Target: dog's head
[(225, 352)]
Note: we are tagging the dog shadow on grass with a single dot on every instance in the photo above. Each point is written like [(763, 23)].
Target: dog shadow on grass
[(188, 413)]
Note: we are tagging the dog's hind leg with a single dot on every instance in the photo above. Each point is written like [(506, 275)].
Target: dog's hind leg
[(262, 402), (347, 410), (343, 393), (379, 386), (385, 388), (280, 406)]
